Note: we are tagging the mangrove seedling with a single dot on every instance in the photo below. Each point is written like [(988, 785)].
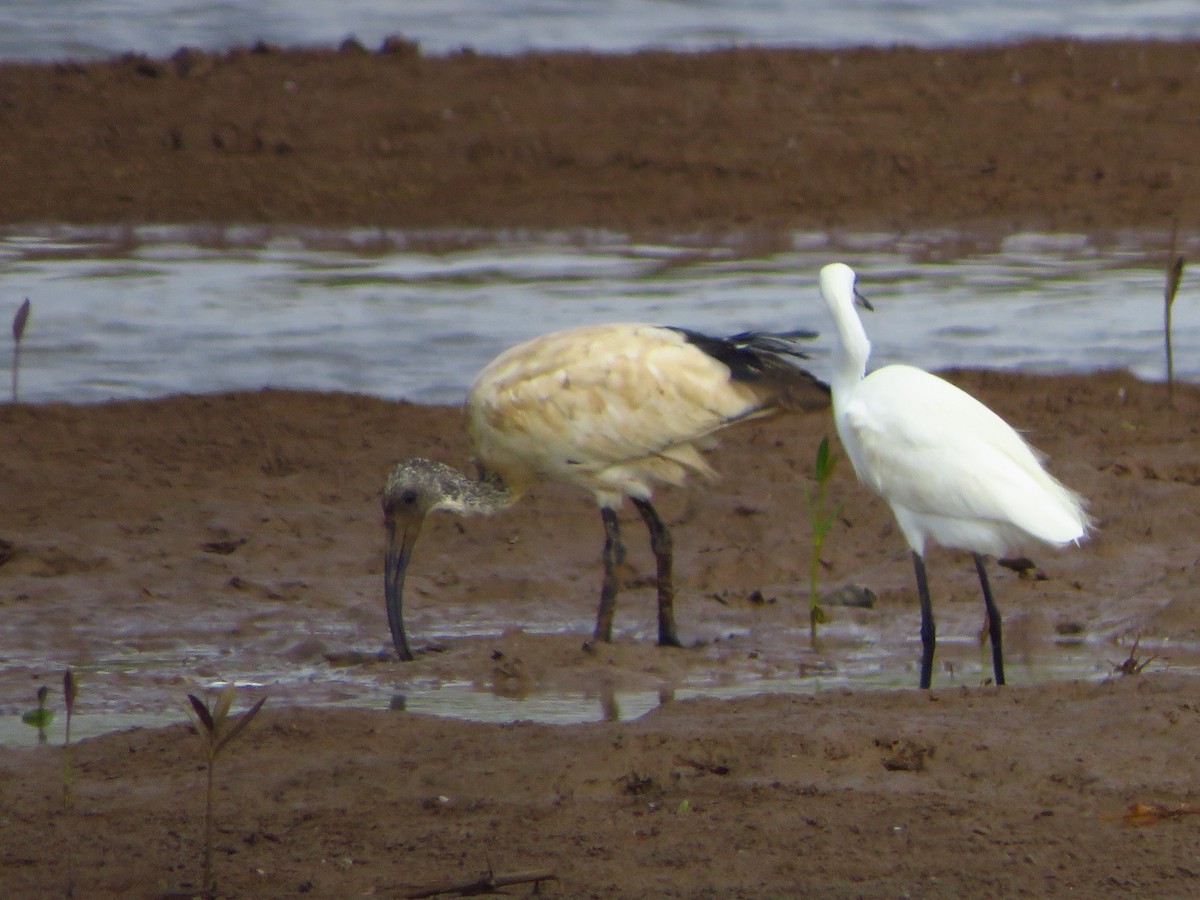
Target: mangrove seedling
[(820, 521), (1174, 276), (217, 732), (20, 320), (70, 691), (41, 717)]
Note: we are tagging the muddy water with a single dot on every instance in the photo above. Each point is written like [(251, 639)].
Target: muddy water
[(124, 692)]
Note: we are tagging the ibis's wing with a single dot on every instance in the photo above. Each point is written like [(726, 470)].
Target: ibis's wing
[(636, 398)]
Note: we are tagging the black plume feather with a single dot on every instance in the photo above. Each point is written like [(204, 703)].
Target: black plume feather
[(767, 359)]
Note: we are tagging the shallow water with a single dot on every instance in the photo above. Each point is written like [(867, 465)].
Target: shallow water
[(55, 29), (117, 695), (132, 315)]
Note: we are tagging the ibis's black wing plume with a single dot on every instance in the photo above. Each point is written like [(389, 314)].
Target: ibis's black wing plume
[(768, 359)]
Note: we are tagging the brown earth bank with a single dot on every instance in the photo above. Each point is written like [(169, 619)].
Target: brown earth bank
[(221, 522), (247, 525), (1047, 135)]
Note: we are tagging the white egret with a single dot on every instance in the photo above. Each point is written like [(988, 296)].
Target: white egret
[(613, 409), (951, 469)]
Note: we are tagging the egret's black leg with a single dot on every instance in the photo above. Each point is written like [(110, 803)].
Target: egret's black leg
[(993, 615), (614, 551), (928, 628), (660, 543)]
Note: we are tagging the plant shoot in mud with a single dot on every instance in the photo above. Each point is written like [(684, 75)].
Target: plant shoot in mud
[(70, 692), (1132, 664), (20, 320), (1174, 276), (820, 521), (212, 725), (41, 717)]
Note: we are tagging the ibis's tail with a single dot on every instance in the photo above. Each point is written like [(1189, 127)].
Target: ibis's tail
[(768, 360)]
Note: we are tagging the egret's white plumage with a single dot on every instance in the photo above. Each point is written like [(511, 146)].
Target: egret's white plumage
[(951, 469), (612, 409)]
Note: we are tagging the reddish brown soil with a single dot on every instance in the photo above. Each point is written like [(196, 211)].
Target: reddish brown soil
[(1052, 134), (115, 512)]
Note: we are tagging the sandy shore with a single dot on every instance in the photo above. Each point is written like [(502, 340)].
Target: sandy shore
[(243, 524)]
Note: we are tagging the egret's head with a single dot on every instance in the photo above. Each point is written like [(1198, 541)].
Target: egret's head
[(838, 288)]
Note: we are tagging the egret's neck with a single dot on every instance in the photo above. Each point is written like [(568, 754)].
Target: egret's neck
[(851, 353)]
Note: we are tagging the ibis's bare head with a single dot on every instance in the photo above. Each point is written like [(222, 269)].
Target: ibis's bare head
[(414, 489)]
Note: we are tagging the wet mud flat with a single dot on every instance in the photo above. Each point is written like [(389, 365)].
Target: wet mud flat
[(1046, 135), (115, 512), (241, 533)]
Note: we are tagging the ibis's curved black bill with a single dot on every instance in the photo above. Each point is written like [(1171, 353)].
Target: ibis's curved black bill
[(400, 543)]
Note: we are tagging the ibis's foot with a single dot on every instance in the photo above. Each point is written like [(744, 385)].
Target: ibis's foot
[(669, 639), (400, 644), (667, 635), (660, 544)]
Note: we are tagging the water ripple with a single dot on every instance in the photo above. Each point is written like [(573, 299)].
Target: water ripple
[(137, 314)]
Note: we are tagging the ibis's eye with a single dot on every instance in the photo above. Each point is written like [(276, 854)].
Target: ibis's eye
[(408, 497)]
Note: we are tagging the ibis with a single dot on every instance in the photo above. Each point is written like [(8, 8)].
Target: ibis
[(613, 409)]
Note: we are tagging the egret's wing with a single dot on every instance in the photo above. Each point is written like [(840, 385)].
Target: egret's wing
[(935, 450)]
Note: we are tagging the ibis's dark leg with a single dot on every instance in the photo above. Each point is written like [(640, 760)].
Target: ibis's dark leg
[(660, 543), (619, 552), (928, 628), (993, 615), (614, 552)]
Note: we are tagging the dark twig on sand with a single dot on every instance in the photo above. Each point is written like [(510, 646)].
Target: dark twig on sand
[(487, 883)]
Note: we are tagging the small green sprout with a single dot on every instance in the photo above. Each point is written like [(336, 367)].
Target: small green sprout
[(1174, 276), (821, 521), (212, 727), (41, 717), (70, 692), (20, 320)]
